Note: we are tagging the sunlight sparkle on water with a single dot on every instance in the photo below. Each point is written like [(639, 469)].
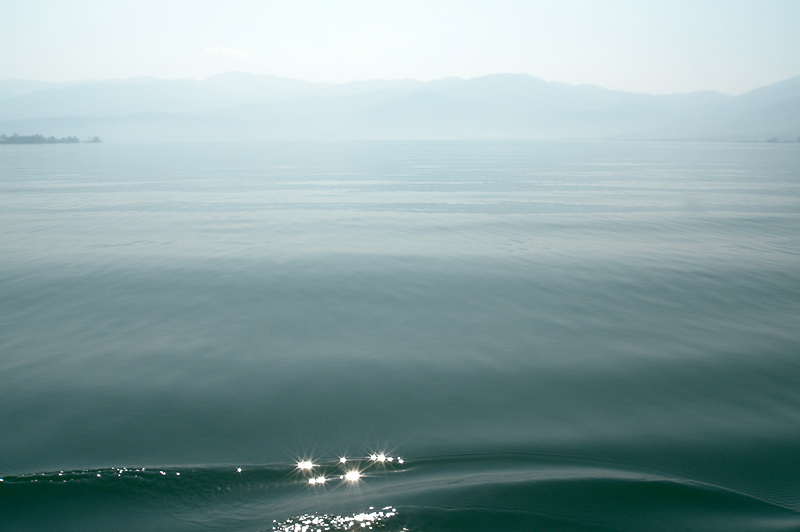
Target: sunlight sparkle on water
[(313, 523), (347, 470), (305, 465)]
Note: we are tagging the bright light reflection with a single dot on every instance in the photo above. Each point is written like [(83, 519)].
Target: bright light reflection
[(352, 476), (342, 460), (305, 465), (313, 522)]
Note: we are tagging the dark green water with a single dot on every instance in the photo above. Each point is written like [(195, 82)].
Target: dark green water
[(553, 336)]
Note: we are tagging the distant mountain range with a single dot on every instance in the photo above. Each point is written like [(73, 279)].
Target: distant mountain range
[(237, 106)]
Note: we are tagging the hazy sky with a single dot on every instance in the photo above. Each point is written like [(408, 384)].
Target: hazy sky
[(642, 46)]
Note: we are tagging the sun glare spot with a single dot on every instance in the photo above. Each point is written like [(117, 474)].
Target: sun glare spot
[(305, 465), (352, 476), (342, 460)]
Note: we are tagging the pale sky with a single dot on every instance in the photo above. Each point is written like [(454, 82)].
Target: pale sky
[(658, 47)]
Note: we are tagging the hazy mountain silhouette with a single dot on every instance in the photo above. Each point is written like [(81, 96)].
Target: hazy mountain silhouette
[(771, 112), (237, 106)]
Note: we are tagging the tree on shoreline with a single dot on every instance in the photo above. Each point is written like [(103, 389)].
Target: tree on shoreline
[(41, 139)]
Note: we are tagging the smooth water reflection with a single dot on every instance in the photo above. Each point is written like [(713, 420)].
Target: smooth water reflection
[(627, 314)]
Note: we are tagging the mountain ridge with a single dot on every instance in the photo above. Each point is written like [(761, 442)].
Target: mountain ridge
[(237, 106)]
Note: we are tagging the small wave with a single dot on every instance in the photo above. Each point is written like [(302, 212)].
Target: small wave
[(485, 492)]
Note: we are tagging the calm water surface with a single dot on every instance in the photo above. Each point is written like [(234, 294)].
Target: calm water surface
[(551, 336)]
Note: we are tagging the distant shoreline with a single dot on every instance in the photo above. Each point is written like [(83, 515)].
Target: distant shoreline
[(41, 139)]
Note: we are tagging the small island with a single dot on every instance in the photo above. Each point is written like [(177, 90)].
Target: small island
[(41, 139)]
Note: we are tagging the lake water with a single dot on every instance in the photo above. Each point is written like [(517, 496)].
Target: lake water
[(496, 336)]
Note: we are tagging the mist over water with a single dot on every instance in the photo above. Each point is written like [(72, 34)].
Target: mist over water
[(554, 336)]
